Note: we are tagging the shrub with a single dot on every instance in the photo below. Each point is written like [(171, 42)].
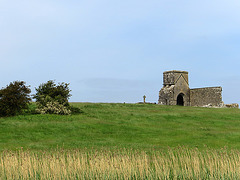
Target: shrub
[(49, 91), (14, 98), (53, 107), (75, 110), (53, 99)]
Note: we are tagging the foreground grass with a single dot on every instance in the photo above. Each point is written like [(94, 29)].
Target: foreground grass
[(180, 163), (122, 141), (112, 126)]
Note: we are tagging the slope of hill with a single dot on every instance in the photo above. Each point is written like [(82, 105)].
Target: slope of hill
[(136, 126)]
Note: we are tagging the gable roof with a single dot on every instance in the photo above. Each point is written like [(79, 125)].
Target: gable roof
[(183, 78)]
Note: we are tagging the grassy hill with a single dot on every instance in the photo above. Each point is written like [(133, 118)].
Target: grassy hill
[(136, 126)]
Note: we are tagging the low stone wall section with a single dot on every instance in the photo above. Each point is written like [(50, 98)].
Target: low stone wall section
[(206, 96), (233, 105)]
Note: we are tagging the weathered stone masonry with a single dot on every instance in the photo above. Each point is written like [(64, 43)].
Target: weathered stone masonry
[(176, 91), (206, 96)]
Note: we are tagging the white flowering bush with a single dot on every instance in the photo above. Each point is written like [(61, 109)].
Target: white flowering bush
[(53, 99), (53, 107)]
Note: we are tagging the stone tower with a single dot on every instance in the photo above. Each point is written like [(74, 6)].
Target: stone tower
[(175, 89)]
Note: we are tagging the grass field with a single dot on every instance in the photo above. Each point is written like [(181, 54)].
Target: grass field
[(122, 141), (180, 163), (113, 126)]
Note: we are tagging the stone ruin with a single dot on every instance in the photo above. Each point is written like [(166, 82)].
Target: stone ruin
[(176, 91)]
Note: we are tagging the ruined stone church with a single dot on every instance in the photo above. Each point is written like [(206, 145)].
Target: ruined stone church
[(176, 91)]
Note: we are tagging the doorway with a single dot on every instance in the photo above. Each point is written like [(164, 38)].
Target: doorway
[(180, 101)]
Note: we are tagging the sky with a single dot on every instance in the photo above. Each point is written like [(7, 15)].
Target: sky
[(117, 51)]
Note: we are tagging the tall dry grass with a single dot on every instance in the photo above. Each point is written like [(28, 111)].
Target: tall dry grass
[(181, 163)]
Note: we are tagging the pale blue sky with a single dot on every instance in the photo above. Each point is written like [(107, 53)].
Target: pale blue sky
[(116, 51)]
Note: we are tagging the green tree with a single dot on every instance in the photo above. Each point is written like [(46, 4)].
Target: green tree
[(14, 98), (53, 99), (50, 91)]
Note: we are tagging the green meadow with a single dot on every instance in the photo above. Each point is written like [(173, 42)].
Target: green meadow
[(122, 141), (126, 126)]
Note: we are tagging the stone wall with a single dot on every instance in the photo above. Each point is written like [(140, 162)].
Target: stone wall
[(206, 96), (171, 77), (182, 87), (166, 95), (174, 83)]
